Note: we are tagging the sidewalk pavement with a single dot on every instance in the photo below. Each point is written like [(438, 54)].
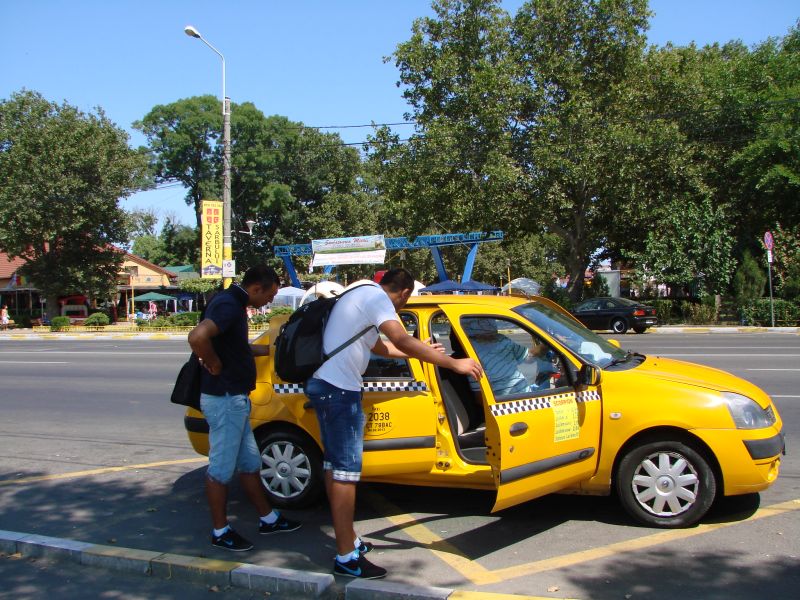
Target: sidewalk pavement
[(218, 575)]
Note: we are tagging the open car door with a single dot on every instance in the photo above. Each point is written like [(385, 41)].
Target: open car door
[(542, 433)]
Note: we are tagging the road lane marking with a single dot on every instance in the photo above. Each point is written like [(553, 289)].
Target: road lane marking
[(772, 369), (34, 362), (101, 471), (751, 355), (479, 575), (784, 396)]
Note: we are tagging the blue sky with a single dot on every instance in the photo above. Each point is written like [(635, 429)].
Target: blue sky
[(315, 61)]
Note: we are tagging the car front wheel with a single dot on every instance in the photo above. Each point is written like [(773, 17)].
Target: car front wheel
[(666, 484), (619, 326), (291, 468)]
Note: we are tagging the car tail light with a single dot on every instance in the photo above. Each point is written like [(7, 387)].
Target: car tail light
[(638, 312)]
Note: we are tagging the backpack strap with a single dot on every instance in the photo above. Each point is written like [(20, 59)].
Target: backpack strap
[(348, 342), (356, 336)]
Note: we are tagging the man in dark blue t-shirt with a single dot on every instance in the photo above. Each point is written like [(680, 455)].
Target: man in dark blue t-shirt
[(221, 343)]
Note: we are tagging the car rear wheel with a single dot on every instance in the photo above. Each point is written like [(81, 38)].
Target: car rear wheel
[(291, 468), (619, 326), (666, 484)]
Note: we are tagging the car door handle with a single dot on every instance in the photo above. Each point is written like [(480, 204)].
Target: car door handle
[(518, 428)]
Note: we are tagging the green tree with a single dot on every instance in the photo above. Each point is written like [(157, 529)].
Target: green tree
[(281, 169), (749, 280), (533, 125), (176, 244), (63, 172)]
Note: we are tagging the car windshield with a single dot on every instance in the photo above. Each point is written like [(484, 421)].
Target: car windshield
[(573, 335)]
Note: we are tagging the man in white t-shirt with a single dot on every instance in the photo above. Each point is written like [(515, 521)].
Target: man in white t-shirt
[(335, 393)]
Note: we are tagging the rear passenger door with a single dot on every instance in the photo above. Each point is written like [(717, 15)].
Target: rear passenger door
[(400, 430)]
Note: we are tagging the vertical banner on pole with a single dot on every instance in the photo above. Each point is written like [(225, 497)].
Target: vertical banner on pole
[(211, 240)]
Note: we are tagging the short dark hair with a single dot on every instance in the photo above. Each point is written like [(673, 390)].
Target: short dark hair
[(262, 274), (397, 280)]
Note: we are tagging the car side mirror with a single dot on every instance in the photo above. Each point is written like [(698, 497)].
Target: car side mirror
[(614, 342), (589, 375)]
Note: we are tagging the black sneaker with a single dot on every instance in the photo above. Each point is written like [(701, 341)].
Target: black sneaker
[(365, 547), (359, 567), (282, 525), (230, 540)]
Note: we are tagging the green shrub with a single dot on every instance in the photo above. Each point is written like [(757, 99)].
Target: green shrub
[(97, 319), (187, 319), (20, 320), (758, 313), (701, 314), (664, 310), (280, 310), (59, 323)]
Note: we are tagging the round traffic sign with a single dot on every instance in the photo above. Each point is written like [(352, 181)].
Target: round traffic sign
[(768, 241)]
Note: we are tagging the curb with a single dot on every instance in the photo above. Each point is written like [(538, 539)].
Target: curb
[(282, 583)]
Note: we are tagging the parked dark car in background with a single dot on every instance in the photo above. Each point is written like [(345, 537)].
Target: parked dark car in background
[(616, 314)]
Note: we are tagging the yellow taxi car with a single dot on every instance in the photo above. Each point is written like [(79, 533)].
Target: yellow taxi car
[(560, 409)]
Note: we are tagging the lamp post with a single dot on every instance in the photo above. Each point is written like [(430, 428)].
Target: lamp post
[(227, 247)]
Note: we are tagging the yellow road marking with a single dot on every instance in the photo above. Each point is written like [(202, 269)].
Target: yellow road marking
[(479, 575), (460, 595), (100, 471)]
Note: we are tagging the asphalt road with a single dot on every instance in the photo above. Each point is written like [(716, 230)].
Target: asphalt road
[(91, 449)]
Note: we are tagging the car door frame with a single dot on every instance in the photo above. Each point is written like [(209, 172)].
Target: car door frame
[(525, 434)]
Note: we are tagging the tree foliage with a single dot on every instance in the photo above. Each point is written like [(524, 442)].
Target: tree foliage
[(63, 172)]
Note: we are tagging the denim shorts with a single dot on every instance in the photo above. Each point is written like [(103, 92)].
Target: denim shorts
[(341, 423), (232, 444)]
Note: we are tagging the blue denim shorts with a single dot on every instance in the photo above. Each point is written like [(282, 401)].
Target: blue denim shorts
[(232, 444), (341, 423)]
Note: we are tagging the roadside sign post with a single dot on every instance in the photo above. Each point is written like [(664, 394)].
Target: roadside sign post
[(769, 242)]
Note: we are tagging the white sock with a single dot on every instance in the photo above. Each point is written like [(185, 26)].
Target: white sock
[(343, 558), (219, 532), (357, 543), (271, 517)]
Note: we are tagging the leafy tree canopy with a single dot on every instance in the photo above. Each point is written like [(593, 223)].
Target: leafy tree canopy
[(63, 172)]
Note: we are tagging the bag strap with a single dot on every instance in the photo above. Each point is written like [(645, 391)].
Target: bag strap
[(356, 336), (348, 342)]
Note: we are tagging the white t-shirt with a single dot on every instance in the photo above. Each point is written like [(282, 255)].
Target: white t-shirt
[(360, 308)]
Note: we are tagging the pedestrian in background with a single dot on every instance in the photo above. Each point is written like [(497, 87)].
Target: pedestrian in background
[(221, 343)]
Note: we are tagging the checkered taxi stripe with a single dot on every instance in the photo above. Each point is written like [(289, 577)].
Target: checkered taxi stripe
[(367, 386), (528, 404)]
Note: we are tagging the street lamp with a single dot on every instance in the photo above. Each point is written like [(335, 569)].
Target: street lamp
[(227, 247)]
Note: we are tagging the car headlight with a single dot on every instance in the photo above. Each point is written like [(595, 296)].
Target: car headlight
[(746, 413)]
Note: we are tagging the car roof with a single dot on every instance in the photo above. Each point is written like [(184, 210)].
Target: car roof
[(507, 302)]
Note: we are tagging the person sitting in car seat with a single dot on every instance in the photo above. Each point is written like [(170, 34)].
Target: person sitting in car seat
[(501, 357)]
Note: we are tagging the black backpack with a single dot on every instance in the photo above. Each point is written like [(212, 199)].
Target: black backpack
[(298, 349)]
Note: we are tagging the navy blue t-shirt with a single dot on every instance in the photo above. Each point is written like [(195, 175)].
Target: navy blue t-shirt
[(228, 311)]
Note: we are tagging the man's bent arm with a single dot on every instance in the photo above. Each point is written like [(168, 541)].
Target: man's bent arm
[(200, 343)]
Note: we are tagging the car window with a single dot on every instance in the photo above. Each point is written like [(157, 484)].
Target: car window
[(575, 337), (609, 304), (383, 368), (517, 363), (589, 305)]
